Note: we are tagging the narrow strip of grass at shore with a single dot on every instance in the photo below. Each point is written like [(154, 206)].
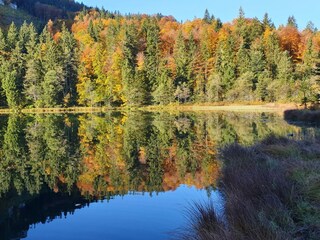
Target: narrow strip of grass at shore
[(224, 107), (245, 107), (271, 191), (57, 110)]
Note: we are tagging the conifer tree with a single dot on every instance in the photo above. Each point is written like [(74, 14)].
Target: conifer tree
[(68, 46), (52, 89), (181, 60), (225, 63), (292, 22), (9, 84), (267, 22), (243, 59), (12, 36), (152, 53), (32, 82), (164, 93), (129, 64), (3, 43)]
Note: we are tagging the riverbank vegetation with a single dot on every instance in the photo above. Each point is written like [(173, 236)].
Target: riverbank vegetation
[(271, 191), (108, 59)]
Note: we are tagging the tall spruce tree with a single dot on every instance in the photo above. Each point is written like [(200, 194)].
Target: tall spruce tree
[(225, 63), (129, 64), (152, 53), (12, 36), (68, 46)]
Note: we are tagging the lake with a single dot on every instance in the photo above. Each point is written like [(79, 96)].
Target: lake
[(117, 175)]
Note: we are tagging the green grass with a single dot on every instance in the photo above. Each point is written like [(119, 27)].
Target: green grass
[(157, 108)]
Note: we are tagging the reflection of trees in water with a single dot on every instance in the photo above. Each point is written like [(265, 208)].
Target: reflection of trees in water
[(147, 153), (13, 162), (245, 128), (100, 156), (122, 152), (37, 151)]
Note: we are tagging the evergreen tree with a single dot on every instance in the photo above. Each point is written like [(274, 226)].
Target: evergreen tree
[(292, 22), (308, 59), (262, 86), (164, 93), (12, 36), (3, 43), (68, 46), (191, 56), (243, 59), (272, 52), (216, 89), (130, 50), (31, 45), (218, 24), (310, 27), (243, 88), (182, 63), (207, 18), (257, 62), (181, 60), (32, 83), (308, 82), (284, 67), (23, 37), (225, 63), (280, 89), (267, 22), (13, 70), (9, 84), (152, 53), (92, 30), (52, 88), (241, 28)]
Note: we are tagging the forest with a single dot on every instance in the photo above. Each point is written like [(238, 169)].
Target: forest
[(109, 59), (48, 9)]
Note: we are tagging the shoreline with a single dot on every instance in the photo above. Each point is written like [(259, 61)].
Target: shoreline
[(268, 107), (255, 209)]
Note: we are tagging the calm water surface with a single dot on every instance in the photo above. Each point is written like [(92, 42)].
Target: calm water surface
[(116, 175)]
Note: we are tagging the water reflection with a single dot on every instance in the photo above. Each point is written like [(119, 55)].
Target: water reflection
[(53, 164)]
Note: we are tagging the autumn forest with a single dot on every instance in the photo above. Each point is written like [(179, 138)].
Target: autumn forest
[(109, 59)]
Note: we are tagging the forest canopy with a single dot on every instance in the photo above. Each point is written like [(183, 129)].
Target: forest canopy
[(48, 9), (132, 60)]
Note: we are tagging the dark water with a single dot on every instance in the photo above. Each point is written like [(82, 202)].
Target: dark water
[(116, 175)]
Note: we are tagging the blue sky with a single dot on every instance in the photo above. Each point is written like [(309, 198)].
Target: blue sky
[(226, 10)]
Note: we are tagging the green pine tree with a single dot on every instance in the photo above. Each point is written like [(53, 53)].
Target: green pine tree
[(12, 36)]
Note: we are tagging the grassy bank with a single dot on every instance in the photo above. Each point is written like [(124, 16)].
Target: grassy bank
[(309, 116), (245, 107), (57, 110), (272, 191)]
